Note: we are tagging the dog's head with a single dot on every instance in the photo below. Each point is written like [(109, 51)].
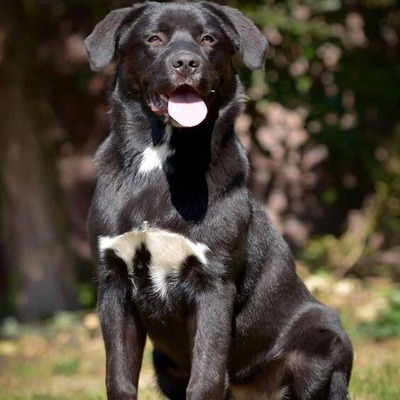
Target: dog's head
[(177, 57)]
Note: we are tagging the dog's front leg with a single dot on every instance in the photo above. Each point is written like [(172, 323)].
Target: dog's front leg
[(210, 330), (124, 338)]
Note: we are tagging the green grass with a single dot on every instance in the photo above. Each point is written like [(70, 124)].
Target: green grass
[(67, 363), (380, 383), (67, 366)]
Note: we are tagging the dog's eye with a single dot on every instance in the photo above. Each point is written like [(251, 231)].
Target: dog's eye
[(207, 39), (155, 39)]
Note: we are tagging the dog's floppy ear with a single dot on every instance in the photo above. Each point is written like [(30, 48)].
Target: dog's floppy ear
[(249, 42), (103, 41)]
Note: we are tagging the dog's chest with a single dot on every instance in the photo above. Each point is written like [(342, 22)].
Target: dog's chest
[(154, 157), (156, 260)]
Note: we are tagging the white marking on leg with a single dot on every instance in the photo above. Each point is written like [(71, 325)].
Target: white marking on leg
[(154, 157), (124, 246), (168, 252)]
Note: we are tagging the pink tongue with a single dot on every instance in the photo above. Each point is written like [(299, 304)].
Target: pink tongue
[(186, 107)]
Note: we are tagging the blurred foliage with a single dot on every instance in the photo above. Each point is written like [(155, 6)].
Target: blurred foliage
[(322, 126), (387, 324), (337, 64), (86, 296), (368, 232)]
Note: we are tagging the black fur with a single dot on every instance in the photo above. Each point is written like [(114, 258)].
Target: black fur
[(241, 325)]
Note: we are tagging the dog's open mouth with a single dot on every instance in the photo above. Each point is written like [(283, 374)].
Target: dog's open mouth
[(184, 106)]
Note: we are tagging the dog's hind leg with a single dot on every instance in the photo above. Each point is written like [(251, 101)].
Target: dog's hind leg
[(321, 357), (338, 386)]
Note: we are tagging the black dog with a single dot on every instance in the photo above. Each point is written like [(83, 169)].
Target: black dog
[(186, 255)]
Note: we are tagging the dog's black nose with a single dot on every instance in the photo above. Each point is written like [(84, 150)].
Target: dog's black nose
[(185, 63)]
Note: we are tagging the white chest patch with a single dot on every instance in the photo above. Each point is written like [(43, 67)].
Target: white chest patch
[(168, 253), (154, 157)]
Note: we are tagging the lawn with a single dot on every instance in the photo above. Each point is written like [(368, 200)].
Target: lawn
[(64, 360)]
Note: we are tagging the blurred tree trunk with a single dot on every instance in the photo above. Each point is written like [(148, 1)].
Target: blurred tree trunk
[(39, 262)]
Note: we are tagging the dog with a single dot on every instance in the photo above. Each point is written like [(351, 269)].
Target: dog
[(186, 256)]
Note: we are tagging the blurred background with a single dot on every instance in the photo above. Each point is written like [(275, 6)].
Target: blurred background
[(322, 128)]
